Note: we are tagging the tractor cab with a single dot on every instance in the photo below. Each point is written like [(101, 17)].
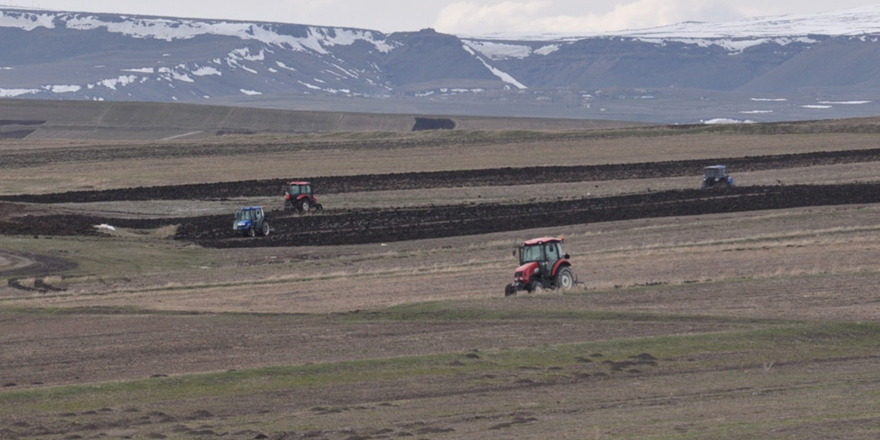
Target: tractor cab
[(716, 176), (251, 221), (299, 196), (542, 265)]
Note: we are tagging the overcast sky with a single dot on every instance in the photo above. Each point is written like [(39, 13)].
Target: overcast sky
[(468, 17)]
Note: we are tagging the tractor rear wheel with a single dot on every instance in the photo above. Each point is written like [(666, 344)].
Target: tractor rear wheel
[(565, 279), (266, 229), (304, 205)]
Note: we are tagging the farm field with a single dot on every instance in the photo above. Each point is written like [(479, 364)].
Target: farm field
[(740, 313)]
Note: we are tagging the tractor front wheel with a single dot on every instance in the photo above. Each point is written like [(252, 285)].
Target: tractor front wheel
[(251, 232), (536, 287), (565, 279), (266, 229)]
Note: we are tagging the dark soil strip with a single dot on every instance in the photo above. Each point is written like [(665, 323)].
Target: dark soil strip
[(423, 124), (16, 134), (21, 122), (381, 226), (455, 179), (39, 286), (389, 225)]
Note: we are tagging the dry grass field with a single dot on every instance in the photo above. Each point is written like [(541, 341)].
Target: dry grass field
[(758, 324)]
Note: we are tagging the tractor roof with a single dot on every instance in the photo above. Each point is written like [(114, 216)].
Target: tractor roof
[(535, 241), (297, 182), (717, 167), (251, 208)]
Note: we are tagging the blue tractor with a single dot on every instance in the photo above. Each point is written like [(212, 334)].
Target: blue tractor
[(717, 177), (251, 221)]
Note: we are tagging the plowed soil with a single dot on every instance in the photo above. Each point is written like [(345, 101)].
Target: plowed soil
[(454, 179), (390, 225)]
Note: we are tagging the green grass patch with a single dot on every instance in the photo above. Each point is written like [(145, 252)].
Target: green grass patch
[(727, 350)]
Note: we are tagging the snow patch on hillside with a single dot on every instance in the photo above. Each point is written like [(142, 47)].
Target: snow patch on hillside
[(547, 50), (245, 54), (348, 37), (120, 81), (311, 86), (507, 78), (63, 89), (140, 70), (499, 51), (207, 70), (503, 75), (316, 39), (167, 29), (850, 22), (726, 121), (284, 66), (502, 51), (12, 93), (731, 45), (844, 102), (734, 36), (26, 20)]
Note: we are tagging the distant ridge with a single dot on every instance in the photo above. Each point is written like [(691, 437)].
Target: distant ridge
[(647, 75)]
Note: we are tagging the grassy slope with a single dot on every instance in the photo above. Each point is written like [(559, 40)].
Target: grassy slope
[(790, 374)]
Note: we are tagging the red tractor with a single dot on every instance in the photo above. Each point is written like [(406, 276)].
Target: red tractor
[(299, 196), (543, 265)]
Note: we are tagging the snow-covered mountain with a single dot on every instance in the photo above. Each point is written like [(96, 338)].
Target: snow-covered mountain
[(69, 55)]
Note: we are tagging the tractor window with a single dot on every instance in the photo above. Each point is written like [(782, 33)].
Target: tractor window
[(715, 172), (294, 190), (552, 250), (245, 215), (308, 189), (532, 253)]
